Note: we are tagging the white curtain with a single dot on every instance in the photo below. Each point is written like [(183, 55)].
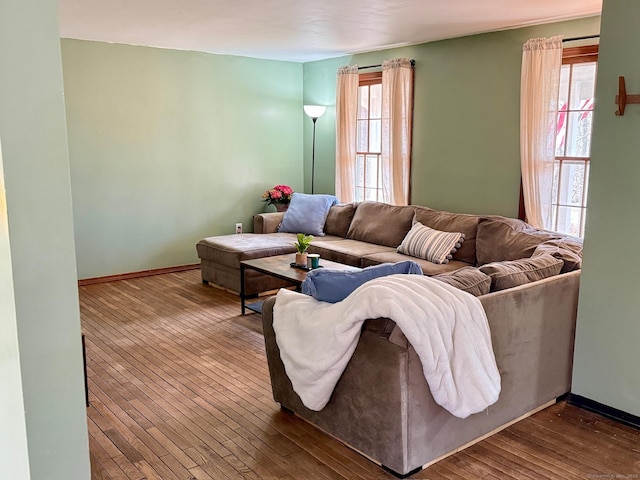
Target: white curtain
[(541, 64), (397, 116), (346, 118)]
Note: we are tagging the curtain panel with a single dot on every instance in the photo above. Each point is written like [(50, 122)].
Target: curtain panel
[(541, 64), (346, 119), (397, 119)]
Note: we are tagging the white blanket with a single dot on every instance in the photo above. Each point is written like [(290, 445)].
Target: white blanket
[(447, 328)]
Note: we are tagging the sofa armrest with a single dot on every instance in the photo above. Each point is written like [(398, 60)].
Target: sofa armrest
[(267, 222)]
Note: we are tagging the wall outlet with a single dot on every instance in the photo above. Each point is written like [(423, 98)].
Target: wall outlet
[(238, 228)]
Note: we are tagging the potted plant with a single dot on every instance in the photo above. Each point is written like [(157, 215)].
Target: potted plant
[(301, 246), (279, 196)]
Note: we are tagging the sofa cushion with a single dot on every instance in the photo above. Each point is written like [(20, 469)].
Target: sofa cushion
[(229, 250), (428, 268), (567, 250), (430, 244), (349, 252), (339, 219), (453, 222), (467, 279), (501, 238), (380, 223), (512, 273), (307, 214), (334, 286)]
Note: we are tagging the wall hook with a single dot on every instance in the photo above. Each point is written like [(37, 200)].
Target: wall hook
[(622, 99)]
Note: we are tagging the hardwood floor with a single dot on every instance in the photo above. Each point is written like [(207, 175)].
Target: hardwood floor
[(179, 389)]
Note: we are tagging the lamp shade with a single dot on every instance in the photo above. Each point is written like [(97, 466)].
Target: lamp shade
[(314, 111)]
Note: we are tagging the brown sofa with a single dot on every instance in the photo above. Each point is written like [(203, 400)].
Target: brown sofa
[(360, 235), (368, 233), (382, 406)]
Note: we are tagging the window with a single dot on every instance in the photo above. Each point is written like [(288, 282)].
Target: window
[(374, 117), (368, 176), (573, 139)]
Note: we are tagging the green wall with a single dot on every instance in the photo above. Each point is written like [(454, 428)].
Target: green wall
[(37, 251), (14, 453), (607, 354), (168, 147), (466, 140)]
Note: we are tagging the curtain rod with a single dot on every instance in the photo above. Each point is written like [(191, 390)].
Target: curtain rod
[(413, 64), (575, 39)]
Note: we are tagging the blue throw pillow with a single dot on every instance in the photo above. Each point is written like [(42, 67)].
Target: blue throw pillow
[(336, 285), (307, 214)]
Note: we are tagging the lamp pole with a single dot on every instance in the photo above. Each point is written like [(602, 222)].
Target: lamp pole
[(314, 112), (313, 154)]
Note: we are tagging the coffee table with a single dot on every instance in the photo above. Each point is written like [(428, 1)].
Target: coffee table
[(279, 266)]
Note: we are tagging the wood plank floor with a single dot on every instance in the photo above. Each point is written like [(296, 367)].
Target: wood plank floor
[(179, 389)]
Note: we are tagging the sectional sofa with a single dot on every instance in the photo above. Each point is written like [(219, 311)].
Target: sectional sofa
[(526, 279), (368, 233)]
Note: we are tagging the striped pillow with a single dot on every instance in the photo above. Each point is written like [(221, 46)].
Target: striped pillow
[(430, 244)]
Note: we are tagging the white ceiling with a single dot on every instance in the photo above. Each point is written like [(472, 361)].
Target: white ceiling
[(302, 30)]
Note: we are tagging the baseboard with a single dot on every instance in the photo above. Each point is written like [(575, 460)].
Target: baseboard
[(142, 273), (604, 410)]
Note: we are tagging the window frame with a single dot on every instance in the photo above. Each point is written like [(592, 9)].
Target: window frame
[(367, 80), (575, 56)]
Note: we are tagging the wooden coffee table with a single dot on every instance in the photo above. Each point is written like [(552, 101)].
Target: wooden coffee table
[(280, 267)]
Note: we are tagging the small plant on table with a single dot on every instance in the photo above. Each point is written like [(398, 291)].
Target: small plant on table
[(302, 245)]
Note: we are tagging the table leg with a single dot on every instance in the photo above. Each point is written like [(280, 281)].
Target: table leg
[(242, 306)]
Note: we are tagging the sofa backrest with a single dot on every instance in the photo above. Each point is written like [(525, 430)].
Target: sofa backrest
[(339, 219), (381, 223), (501, 238), (487, 238)]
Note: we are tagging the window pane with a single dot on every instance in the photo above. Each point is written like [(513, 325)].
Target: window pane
[(375, 136), (563, 94), (583, 81), (376, 100), (363, 102), (371, 194), (571, 183), (561, 132), (360, 170), (569, 219), (359, 194), (372, 171), (586, 184), (579, 134), (362, 136)]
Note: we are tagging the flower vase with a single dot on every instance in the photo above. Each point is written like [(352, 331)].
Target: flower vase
[(301, 259), (281, 207)]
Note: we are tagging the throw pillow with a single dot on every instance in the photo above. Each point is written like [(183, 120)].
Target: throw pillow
[(334, 286), (467, 279), (512, 273), (307, 214), (433, 245)]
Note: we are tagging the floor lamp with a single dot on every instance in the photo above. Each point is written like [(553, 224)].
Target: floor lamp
[(314, 112)]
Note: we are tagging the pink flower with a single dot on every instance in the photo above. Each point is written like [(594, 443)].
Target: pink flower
[(278, 195), (286, 190)]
